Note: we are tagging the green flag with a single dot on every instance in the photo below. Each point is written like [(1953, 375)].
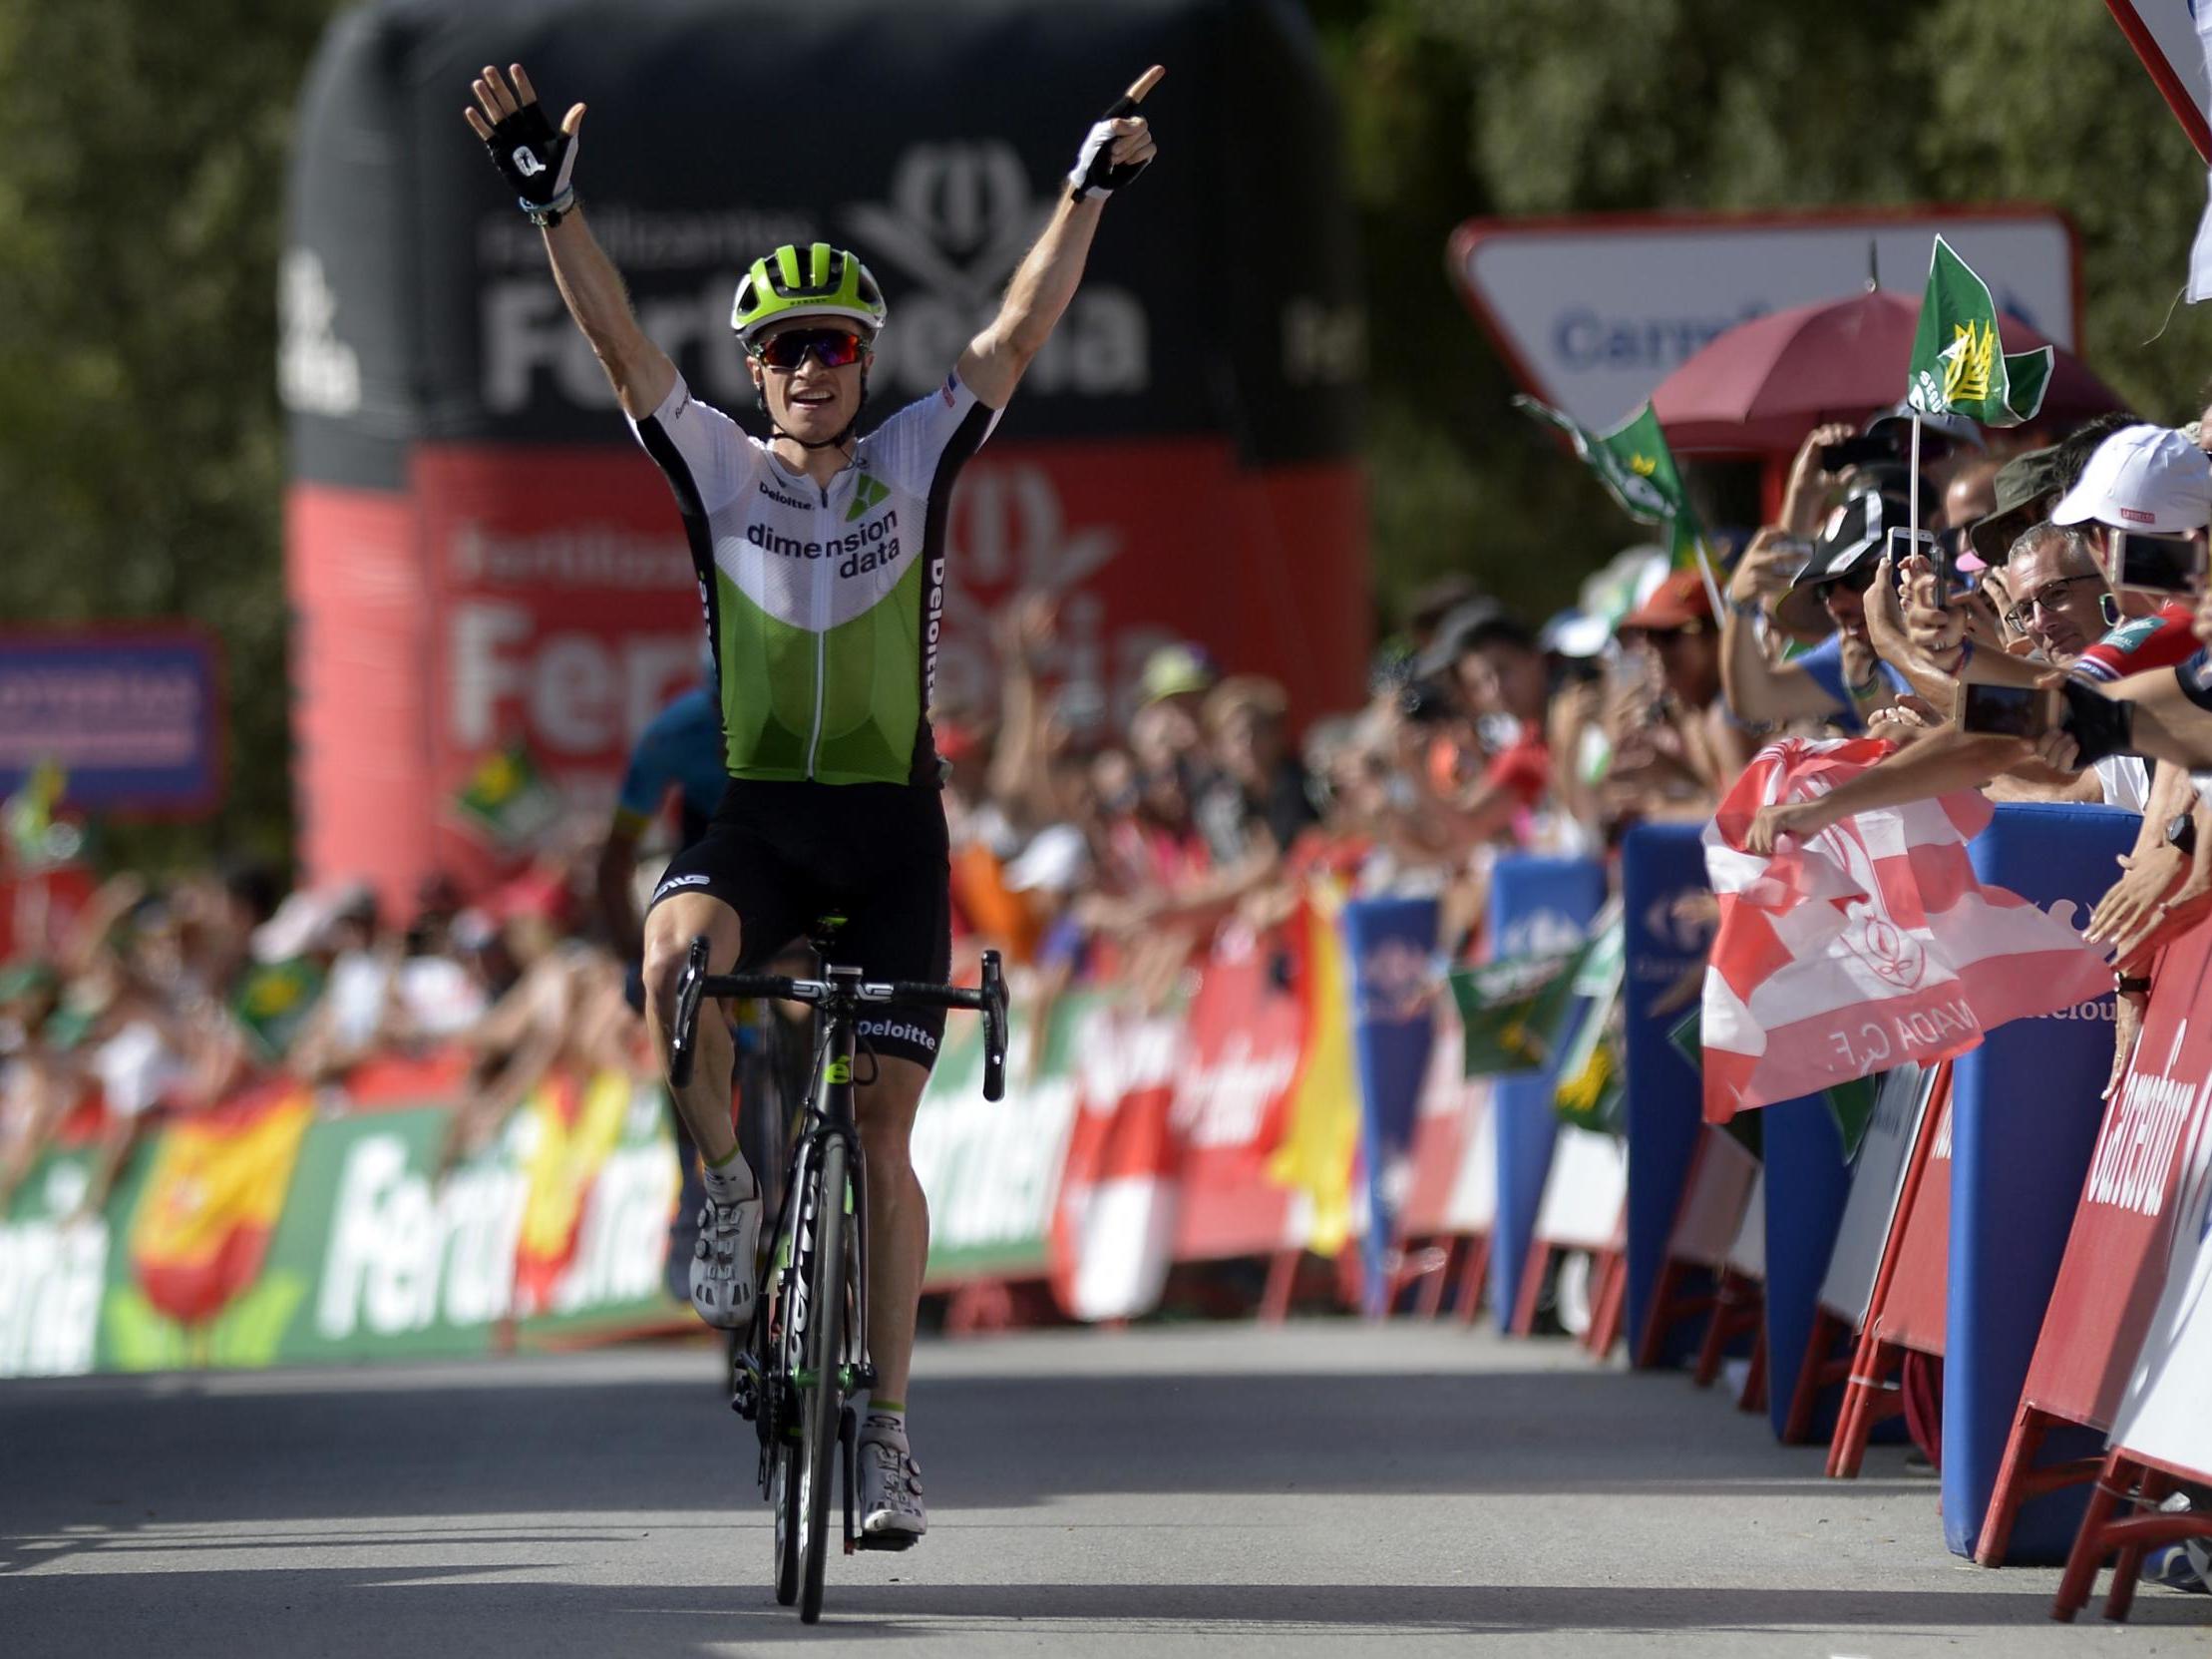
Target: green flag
[(1959, 366), (273, 1001), (509, 799), (1511, 1010), (1637, 470), (1850, 1103)]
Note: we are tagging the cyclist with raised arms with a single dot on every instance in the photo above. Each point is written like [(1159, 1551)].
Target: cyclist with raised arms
[(820, 562)]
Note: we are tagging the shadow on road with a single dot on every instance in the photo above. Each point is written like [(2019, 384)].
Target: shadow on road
[(113, 1453)]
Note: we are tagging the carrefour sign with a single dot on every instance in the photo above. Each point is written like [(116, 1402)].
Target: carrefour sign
[(1592, 312)]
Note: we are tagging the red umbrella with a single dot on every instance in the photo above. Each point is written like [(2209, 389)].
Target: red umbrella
[(1761, 386)]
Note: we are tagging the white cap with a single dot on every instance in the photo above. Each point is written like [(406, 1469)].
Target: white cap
[(2143, 478)]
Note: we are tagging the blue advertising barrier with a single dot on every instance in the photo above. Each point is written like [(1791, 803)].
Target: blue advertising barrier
[(1660, 865), (1536, 905), (2024, 1113), (1391, 944), (1807, 1182)]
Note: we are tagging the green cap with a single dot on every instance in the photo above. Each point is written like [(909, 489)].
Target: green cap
[(2024, 485)]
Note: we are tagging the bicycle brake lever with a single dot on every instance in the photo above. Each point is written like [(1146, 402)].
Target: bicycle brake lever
[(682, 1042), (994, 1029)]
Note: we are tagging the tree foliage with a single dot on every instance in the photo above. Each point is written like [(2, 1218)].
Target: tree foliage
[(1458, 108), (141, 445)]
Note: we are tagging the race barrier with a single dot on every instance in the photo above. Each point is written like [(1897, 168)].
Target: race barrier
[(1714, 1195), (1806, 1184), (1450, 1206), (2116, 1256), (1538, 907), (1226, 1123), (1907, 1307), (268, 1231), (1739, 1304), (1661, 866), (2026, 1110), (1392, 945), (2162, 1440), (1863, 1237), (1583, 1210)]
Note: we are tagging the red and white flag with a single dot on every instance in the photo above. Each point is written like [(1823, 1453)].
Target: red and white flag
[(1870, 943)]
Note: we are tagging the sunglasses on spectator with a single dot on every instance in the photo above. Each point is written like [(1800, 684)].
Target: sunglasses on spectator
[(1855, 581), (2049, 596), (833, 348)]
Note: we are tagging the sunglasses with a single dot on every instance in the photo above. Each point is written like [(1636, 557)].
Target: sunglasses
[(833, 348), (1854, 582)]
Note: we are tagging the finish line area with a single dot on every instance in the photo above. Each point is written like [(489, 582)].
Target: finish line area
[(1219, 1488)]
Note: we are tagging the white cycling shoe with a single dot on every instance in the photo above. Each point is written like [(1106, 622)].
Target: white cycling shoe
[(893, 1514), (722, 1262)]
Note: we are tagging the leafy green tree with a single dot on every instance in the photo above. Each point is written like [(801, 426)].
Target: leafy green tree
[(141, 445), (1457, 107)]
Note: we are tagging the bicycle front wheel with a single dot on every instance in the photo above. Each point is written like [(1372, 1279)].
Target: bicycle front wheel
[(820, 1391)]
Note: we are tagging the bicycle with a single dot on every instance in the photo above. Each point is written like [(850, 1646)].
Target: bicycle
[(807, 1353)]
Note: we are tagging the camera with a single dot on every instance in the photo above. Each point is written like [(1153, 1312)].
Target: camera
[(1861, 451), (2155, 564), (2007, 711)]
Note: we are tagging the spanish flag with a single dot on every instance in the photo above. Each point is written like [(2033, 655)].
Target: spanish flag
[(574, 1130), (1317, 1147), (213, 1199)]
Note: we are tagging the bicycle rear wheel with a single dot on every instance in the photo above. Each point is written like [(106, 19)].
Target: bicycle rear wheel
[(822, 1392)]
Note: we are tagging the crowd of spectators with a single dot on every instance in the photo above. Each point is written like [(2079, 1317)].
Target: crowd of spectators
[(1110, 841)]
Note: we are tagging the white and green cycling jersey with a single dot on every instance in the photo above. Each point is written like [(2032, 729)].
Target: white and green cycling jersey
[(825, 604)]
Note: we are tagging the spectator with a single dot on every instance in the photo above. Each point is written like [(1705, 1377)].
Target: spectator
[(1673, 753)]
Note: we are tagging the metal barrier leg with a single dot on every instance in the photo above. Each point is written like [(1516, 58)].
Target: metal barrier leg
[(1532, 1287), (1474, 1274), (2088, 1549)]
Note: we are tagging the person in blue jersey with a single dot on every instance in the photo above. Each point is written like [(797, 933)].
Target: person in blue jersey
[(678, 755)]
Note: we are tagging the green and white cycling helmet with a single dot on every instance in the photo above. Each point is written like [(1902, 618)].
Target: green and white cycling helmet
[(816, 280)]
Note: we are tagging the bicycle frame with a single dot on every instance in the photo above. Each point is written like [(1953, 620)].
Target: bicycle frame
[(826, 1113), (765, 1384)]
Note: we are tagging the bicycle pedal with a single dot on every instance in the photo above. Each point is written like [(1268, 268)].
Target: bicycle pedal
[(886, 1540)]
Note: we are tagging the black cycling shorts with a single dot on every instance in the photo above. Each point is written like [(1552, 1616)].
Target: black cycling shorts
[(783, 855)]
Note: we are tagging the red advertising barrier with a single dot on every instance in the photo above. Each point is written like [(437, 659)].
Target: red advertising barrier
[(1245, 1033), (1907, 1312), (2117, 1253)]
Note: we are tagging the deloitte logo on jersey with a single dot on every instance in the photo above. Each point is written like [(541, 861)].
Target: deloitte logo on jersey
[(957, 218)]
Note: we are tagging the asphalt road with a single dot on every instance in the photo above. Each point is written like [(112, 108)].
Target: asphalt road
[(1210, 1490)]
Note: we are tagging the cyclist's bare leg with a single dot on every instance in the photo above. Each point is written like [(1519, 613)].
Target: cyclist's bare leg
[(897, 1219), (669, 929)]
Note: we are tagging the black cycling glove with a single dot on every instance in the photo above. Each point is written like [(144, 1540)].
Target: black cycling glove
[(2100, 726), (535, 158), (1095, 172)]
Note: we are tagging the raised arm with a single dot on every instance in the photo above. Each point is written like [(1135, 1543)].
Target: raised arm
[(536, 162), (1762, 691), (1115, 150)]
